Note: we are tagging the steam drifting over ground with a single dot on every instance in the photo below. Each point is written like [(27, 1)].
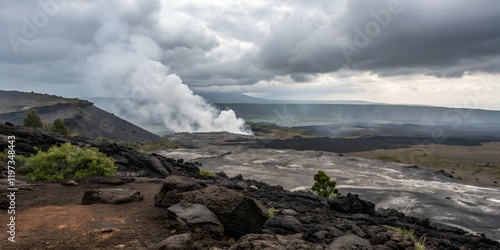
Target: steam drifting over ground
[(127, 63)]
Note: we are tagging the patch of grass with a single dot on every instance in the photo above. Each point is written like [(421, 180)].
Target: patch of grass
[(274, 131), (271, 212), (420, 243), (206, 173), (67, 161), (467, 162), (410, 233)]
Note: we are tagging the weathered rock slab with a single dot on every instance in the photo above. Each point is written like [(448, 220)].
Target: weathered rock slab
[(174, 185), (198, 216)]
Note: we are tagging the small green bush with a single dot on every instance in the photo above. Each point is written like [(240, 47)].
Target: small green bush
[(271, 212), (324, 185), (206, 173), (67, 161), (59, 127), (32, 119)]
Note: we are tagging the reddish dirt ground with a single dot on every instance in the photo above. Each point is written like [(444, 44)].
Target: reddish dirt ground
[(51, 217)]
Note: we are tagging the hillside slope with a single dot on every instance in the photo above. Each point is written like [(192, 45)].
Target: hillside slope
[(77, 114)]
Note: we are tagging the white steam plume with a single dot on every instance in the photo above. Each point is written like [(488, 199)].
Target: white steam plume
[(128, 64)]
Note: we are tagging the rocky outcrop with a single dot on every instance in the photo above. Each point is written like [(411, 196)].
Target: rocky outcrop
[(351, 203), (239, 214), (127, 160), (172, 188)]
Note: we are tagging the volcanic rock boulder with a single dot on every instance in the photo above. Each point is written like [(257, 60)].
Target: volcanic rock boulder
[(198, 217), (284, 224), (111, 196), (278, 242), (351, 203), (239, 214), (173, 186), (350, 242)]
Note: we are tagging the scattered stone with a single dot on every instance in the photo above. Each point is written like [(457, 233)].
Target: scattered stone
[(176, 242), (111, 196), (198, 217), (242, 185), (442, 172), (227, 153), (277, 242), (222, 174), (351, 203), (70, 183), (290, 212), (238, 177), (284, 225), (380, 239), (358, 231), (350, 242), (107, 230), (321, 234), (335, 232)]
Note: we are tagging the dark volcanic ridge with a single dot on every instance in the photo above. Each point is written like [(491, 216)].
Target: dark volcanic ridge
[(77, 114), (304, 220)]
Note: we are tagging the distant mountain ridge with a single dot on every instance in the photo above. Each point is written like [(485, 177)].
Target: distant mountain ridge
[(240, 98)]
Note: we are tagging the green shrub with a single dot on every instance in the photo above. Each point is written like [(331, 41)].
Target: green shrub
[(271, 212), (324, 185), (59, 127), (67, 161), (32, 119), (206, 173)]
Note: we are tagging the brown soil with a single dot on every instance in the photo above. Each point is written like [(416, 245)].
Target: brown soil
[(51, 217)]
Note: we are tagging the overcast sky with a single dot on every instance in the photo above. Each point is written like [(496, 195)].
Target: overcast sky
[(414, 52)]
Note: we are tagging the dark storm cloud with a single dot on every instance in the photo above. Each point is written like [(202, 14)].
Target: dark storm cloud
[(241, 43), (443, 38)]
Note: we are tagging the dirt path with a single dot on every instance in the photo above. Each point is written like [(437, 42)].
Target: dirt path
[(51, 217)]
